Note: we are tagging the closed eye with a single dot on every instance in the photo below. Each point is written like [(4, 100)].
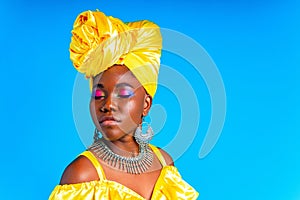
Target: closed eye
[(98, 93), (124, 93)]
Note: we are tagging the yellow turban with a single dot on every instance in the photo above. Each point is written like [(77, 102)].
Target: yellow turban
[(98, 42)]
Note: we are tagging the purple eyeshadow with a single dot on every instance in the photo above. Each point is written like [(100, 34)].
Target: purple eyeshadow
[(125, 93)]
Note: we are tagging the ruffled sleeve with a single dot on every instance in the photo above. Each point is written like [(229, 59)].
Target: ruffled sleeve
[(93, 190), (85, 190), (170, 185)]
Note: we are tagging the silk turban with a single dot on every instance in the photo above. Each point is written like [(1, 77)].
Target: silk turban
[(99, 42)]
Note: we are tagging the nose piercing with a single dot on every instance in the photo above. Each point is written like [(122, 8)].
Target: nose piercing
[(103, 109)]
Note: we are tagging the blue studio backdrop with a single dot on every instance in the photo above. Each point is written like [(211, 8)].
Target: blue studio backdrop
[(253, 48)]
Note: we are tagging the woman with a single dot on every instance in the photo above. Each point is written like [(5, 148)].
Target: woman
[(122, 62)]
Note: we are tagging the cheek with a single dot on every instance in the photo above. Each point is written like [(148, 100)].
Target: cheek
[(92, 107), (93, 111), (135, 110)]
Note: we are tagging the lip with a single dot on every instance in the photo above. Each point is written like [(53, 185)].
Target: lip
[(108, 121)]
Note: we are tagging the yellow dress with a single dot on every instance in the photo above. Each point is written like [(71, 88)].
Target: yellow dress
[(169, 185)]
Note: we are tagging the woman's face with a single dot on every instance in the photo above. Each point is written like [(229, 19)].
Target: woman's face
[(118, 102)]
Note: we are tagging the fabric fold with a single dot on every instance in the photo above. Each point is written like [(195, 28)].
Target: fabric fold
[(99, 42)]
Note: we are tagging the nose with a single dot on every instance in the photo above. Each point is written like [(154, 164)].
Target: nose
[(109, 104)]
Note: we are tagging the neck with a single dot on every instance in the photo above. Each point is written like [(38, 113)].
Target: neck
[(125, 146), (123, 155)]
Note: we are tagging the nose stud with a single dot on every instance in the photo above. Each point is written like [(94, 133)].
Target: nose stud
[(103, 109)]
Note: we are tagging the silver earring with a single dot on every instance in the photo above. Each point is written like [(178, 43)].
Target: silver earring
[(143, 138), (96, 135)]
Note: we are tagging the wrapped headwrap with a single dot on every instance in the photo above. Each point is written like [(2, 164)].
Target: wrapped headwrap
[(101, 41)]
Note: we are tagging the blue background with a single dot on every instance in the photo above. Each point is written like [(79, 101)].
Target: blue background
[(255, 45)]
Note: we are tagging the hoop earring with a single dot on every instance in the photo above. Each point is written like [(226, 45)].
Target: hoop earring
[(143, 138)]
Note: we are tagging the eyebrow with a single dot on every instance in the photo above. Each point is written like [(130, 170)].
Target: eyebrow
[(98, 86), (123, 84)]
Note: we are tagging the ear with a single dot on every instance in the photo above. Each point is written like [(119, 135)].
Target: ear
[(147, 104)]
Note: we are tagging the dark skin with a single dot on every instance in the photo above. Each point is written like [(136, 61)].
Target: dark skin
[(117, 106)]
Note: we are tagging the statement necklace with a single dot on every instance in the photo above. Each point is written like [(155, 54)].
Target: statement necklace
[(133, 164)]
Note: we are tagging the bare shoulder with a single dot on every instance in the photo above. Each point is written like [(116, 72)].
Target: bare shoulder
[(167, 157), (78, 171)]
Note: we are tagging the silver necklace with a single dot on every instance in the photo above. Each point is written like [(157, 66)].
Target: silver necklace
[(133, 164)]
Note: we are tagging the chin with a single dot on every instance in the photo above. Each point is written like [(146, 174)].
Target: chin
[(112, 135)]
